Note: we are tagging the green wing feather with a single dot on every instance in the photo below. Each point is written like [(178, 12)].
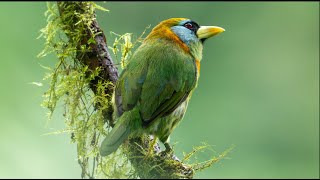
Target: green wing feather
[(157, 79)]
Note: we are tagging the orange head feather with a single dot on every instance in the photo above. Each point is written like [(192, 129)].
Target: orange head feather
[(162, 30)]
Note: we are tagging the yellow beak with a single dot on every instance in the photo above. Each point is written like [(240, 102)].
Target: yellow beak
[(205, 32)]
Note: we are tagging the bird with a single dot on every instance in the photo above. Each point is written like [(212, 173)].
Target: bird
[(152, 93)]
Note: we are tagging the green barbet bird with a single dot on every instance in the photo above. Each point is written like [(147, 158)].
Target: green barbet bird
[(153, 91)]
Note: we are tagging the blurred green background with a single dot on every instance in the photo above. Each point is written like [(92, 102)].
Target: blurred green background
[(259, 88)]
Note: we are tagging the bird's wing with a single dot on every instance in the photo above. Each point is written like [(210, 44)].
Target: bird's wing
[(170, 78), (129, 84), (167, 106), (157, 79)]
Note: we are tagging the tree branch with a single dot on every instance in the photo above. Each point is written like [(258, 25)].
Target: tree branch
[(155, 166)]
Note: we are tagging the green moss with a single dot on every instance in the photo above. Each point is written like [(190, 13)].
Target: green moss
[(69, 84), (123, 46)]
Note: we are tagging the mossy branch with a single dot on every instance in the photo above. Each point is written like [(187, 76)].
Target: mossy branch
[(100, 57), (91, 48), (84, 77)]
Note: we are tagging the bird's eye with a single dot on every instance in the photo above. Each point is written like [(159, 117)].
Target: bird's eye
[(188, 25)]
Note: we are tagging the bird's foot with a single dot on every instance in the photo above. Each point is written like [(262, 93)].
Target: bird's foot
[(168, 152)]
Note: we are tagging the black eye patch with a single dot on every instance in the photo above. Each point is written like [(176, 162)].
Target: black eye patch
[(193, 26)]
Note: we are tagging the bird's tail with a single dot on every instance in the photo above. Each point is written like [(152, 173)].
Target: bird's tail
[(119, 133)]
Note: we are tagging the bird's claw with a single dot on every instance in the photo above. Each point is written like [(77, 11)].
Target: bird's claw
[(168, 152)]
